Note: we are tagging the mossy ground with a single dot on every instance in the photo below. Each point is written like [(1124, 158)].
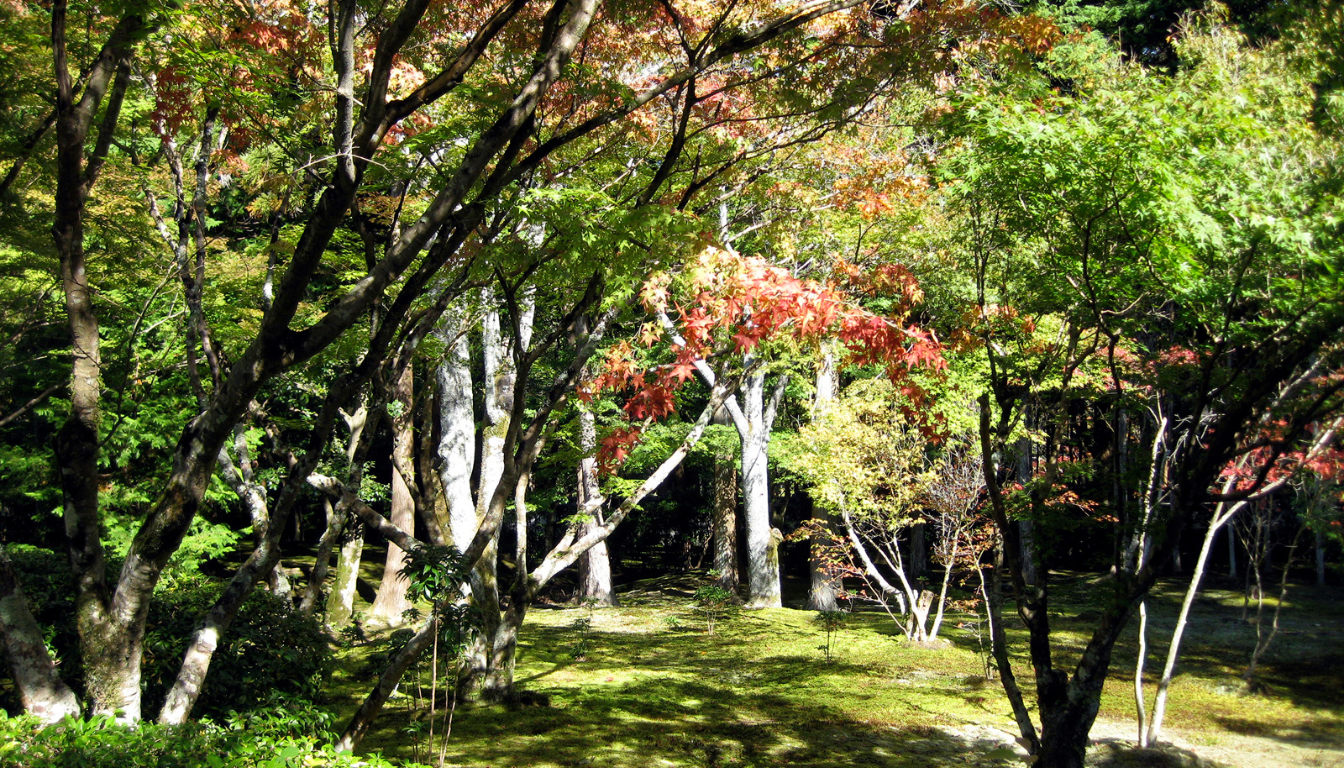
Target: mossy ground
[(655, 689)]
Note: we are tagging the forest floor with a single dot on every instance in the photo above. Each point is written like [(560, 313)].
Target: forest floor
[(652, 687)]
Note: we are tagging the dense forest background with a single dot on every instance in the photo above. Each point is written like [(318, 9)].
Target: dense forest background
[(366, 325)]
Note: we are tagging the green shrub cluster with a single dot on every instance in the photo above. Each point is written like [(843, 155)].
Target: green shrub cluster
[(269, 650), (101, 743)]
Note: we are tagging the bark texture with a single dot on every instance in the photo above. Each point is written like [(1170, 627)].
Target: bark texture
[(725, 522), (392, 599), (595, 588), (457, 430), (43, 693)]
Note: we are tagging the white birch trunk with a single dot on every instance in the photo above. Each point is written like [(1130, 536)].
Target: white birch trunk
[(457, 432), (595, 587), (763, 588)]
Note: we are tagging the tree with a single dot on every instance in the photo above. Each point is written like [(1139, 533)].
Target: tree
[(865, 462), (1124, 185), (285, 336)]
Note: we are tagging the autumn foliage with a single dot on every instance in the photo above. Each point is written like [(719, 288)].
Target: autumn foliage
[(737, 303)]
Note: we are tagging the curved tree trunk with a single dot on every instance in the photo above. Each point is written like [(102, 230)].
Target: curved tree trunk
[(43, 693), (341, 601)]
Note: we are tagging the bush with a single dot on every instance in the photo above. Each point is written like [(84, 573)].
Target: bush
[(269, 651), (101, 743)]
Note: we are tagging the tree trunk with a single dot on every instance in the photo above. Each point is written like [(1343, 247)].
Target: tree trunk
[(725, 515), (457, 432), (1027, 536), (1262, 641), (825, 586), (501, 632), (43, 693), (1139, 704), (595, 588), (312, 594), (1218, 521), (942, 592), (1027, 529), (341, 601), (392, 599), (763, 576), (1320, 559), (919, 554), (110, 634), (500, 384)]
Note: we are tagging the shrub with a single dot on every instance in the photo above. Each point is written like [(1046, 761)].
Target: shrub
[(101, 743), (714, 602), (270, 650)]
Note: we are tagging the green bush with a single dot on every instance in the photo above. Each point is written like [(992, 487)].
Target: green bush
[(269, 651), (101, 743)]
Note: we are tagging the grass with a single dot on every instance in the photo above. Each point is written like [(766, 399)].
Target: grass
[(759, 691)]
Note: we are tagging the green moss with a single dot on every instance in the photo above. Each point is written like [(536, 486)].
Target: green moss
[(759, 691)]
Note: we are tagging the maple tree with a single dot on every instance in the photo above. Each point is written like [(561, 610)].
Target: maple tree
[(240, 229), (1133, 232)]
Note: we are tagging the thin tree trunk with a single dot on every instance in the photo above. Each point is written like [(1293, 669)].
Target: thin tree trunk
[(1320, 559), (595, 588), (825, 586), (391, 600), (312, 594), (43, 693), (1263, 641), (1221, 516), (1139, 704), (942, 593), (998, 646), (457, 431), (725, 515)]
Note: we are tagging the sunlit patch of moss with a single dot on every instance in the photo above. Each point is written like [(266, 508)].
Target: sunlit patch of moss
[(759, 692)]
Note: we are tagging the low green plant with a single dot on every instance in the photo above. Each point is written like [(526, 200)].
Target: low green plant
[(582, 645), (100, 742), (830, 622), (285, 717), (270, 650), (714, 602), (437, 575)]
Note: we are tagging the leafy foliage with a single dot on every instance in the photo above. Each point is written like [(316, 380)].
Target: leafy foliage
[(101, 743), (270, 651)]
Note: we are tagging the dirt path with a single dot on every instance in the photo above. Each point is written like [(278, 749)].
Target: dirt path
[(1226, 748)]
